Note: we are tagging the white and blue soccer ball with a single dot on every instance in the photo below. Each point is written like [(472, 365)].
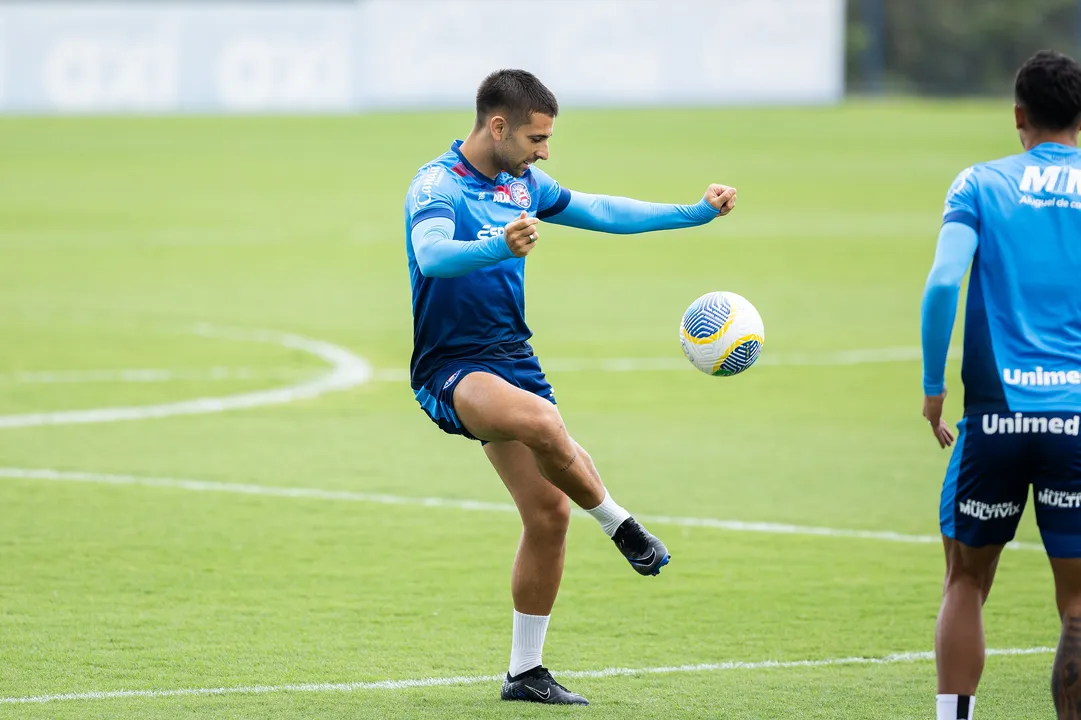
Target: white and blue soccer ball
[(722, 333)]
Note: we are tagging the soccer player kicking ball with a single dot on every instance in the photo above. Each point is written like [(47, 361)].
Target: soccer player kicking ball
[(470, 219), (1017, 221)]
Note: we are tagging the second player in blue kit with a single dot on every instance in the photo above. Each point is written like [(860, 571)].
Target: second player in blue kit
[(1017, 222)]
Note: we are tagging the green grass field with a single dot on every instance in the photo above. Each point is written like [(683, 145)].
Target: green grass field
[(120, 237)]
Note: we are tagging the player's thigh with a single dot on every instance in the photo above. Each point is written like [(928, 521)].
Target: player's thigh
[(986, 485), (538, 501), (494, 410)]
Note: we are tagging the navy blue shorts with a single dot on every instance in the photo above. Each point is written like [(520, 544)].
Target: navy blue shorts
[(996, 458), (437, 395)]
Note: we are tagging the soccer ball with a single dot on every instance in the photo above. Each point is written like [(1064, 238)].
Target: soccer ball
[(722, 333)]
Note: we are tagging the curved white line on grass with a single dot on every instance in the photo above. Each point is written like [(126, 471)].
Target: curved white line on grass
[(477, 679), (347, 371), (641, 364), (470, 505), (155, 375)]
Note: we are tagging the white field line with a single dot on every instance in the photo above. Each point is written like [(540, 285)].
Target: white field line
[(476, 679), (347, 371), (469, 505), (674, 363), (155, 375), (677, 362), (823, 359), (561, 365)]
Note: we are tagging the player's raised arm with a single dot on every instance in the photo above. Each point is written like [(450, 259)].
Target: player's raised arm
[(606, 213)]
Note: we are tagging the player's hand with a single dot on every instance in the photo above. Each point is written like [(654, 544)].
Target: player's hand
[(932, 410), (721, 198), (521, 235)]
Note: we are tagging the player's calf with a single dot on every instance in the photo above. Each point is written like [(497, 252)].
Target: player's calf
[(959, 637), (1066, 671), (646, 554)]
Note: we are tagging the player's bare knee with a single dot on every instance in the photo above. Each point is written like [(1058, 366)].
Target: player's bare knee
[(545, 432), (1069, 605), (972, 565), (959, 573), (549, 520)]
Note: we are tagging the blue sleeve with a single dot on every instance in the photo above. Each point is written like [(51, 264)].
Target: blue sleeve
[(962, 201), (433, 194), (440, 255), (551, 198), (605, 213), (957, 243)]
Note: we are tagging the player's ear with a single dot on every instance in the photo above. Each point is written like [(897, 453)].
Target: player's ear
[(1019, 116), (497, 125)]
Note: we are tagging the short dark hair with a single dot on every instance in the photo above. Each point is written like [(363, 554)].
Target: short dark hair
[(517, 93), (1048, 87)]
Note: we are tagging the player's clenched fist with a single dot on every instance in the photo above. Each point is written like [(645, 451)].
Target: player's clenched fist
[(722, 198), (521, 235)]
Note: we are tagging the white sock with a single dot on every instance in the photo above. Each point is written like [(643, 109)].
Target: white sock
[(527, 642), (955, 707), (609, 515)]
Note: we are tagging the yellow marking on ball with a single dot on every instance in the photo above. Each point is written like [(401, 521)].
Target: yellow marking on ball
[(714, 336), (738, 343)]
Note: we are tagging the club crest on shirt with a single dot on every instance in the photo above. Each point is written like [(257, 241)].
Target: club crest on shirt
[(516, 193), (519, 195)]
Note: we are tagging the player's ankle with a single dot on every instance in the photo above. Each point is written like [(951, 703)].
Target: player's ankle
[(609, 514), (955, 707), (527, 642)]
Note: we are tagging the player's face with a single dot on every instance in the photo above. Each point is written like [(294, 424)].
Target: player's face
[(525, 145)]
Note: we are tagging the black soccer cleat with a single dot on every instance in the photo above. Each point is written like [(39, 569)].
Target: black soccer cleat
[(538, 685), (645, 553)]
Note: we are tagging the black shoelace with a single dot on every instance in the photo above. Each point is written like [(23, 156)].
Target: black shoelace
[(543, 674)]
